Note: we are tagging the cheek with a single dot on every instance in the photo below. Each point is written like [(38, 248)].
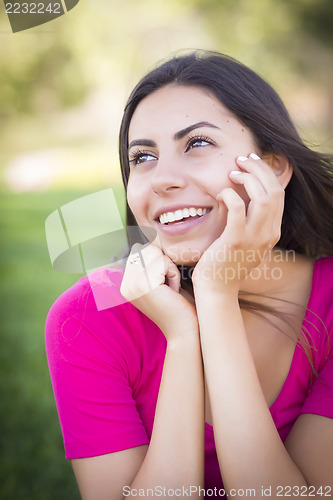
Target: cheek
[(136, 200), (132, 200), (215, 176), (219, 177)]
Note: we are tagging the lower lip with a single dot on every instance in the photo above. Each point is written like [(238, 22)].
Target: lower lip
[(182, 227)]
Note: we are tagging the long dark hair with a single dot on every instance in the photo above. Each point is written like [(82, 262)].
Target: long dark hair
[(307, 224)]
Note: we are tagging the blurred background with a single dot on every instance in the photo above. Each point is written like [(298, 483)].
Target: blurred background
[(63, 86)]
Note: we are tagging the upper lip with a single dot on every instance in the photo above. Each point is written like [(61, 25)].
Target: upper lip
[(173, 208)]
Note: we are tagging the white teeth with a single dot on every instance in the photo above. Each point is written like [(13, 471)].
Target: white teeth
[(178, 214), (181, 214), (170, 217)]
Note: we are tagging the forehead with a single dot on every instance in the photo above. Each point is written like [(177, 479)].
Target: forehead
[(174, 107)]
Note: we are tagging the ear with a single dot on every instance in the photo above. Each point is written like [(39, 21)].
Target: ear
[(281, 167)]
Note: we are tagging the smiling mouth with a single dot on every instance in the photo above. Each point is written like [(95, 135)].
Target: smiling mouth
[(181, 215)]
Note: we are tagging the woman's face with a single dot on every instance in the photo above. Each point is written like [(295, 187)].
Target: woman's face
[(182, 145)]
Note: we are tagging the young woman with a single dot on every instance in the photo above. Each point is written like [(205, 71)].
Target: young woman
[(217, 380)]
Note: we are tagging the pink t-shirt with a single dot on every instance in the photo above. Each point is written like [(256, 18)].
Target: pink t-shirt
[(106, 368)]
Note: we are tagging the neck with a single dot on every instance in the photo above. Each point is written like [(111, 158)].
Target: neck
[(276, 276), (272, 275)]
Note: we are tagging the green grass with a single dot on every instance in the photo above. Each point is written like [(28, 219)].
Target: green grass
[(32, 464)]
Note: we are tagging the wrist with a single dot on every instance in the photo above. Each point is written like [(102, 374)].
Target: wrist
[(209, 303), (181, 331), (185, 340), (205, 289)]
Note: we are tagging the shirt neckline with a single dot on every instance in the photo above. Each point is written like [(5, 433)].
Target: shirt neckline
[(298, 348)]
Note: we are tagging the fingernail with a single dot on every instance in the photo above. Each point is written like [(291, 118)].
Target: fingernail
[(235, 172), (242, 158), (255, 157)]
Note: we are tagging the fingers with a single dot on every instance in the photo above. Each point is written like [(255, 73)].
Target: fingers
[(146, 253), (260, 169), (261, 182), (172, 274), (269, 187), (260, 210), (264, 214), (236, 218), (146, 269), (136, 281), (267, 208)]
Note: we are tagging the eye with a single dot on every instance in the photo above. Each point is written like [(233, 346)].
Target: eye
[(198, 142), (138, 156)]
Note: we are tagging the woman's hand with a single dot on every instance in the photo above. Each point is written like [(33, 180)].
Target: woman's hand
[(249, 233), (152, 284)]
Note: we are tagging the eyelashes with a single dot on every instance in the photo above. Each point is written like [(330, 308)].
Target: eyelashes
[(138, 156), (197, 138)]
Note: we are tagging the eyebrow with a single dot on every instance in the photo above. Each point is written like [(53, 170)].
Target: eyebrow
[(178, 135)]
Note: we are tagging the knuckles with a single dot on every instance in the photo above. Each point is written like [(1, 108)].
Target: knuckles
[(263, 201), (277, 194), (238, 205), (138, 280)]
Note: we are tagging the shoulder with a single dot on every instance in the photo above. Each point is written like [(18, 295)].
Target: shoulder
[(322, 289), (90, 295), (93, 316), (323, 271), (318, 320), (96, 294), (104, 356)]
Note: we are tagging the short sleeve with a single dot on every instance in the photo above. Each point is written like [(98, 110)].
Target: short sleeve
[(94, 364), (320, 398)]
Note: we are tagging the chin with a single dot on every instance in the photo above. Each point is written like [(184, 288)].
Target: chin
[(183, 256)]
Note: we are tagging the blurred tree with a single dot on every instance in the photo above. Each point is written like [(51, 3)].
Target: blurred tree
[(282, 40), (317, 19), (109, 43), (100, 40)]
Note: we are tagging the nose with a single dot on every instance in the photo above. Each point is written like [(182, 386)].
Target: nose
[(168, 175)]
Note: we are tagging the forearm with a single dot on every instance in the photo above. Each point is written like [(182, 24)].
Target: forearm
[(175, 457), (250, 451)]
